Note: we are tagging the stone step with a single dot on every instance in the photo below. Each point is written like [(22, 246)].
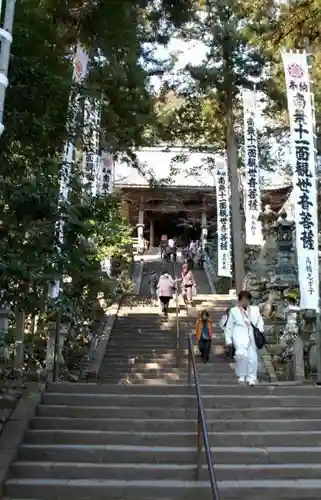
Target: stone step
[(109, 375), (182, 472), (138, 365), (165, 373), (150, 378), (163, 358), (155, 317), (148, 357), (267, 389), (220, 401), (112, 412), (174, 425), (164, 382), (119, 346), (78, 489), (154, 412), (177, 438), (169, 341), (219, 370), (131, 380), (89, 437), (121, 353), (209, 369), (143, 369), (184, 332), (110, 453)]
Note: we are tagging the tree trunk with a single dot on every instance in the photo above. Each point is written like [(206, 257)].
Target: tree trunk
[(232, 157)]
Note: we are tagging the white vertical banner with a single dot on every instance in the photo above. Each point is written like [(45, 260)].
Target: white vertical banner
[(303, 155), (224, 244), (91, 157), (252, 192), (80, 65), (107, 173), (105, 187)]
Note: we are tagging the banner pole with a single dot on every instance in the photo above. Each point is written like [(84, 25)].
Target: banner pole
[(6, 41)]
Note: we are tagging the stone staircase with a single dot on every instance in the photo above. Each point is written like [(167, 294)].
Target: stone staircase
[(142, 345), (133, 435), (91, 441)]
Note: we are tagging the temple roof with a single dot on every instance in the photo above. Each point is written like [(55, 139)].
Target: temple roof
[(169, 167)]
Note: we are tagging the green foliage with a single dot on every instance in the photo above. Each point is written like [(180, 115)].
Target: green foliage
[(212, 89), (30, 151), (299, 23), (243, 41), (31, 162)]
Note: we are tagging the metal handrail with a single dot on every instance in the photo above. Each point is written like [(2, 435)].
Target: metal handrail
[(202, 432), (177, 347)]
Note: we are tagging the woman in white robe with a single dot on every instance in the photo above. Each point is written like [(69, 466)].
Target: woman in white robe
[(239, 332)]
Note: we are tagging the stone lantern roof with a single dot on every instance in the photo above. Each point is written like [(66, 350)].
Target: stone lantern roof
[(276, 197)]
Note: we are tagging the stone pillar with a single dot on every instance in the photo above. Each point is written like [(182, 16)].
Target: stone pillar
[(4, 327), (20, 334), (203, 228), (140, 229), (151, 233), (51, 347), (285, 270), (298, 360)]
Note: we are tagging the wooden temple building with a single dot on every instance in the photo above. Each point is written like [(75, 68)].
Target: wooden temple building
[(174, 197)]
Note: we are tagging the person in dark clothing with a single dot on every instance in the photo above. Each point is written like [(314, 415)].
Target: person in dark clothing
[(153, 281), (167, 254)]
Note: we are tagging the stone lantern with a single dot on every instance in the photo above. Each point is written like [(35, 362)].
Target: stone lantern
[(268, 255), (268, 219), (284, 237), (285, 233)]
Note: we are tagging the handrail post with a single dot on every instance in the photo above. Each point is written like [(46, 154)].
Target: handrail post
[(199, 444), (202, 432), (178, 340), (178, 343), (189, 366)]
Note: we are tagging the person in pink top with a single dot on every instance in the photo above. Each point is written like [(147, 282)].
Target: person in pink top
[(188, 283)]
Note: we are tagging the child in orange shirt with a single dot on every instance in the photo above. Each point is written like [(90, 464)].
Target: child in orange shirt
[(203, 334)]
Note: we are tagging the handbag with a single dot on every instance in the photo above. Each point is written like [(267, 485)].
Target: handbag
[(259, 337)]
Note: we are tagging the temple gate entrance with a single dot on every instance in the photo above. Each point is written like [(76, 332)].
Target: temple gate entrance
[(174, 224)]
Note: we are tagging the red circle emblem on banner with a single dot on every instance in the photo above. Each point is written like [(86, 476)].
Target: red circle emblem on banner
[(108, 161), (295, 71)]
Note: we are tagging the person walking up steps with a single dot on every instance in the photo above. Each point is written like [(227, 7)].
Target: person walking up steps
[(203, 334), (165, 290), (153, 281), (239, 331)]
